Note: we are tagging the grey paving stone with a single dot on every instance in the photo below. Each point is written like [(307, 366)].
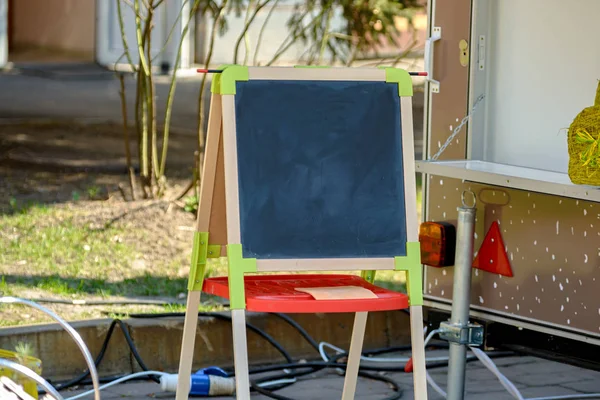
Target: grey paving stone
[(587, 386), (545, 379), (489, 396), (546, 367), (132, 389), (488, 385), (480, 383), (520, 360), (546, 391)]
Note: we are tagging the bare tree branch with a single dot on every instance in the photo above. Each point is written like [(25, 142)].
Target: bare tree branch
[(123, 35), (245, 30), (173, 27), (171, 95)]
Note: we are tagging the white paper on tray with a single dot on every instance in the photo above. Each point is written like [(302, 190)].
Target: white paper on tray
[(339, 293)]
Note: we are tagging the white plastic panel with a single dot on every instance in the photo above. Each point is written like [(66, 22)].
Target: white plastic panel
[(3, 32), (510, 176), (542, 67)]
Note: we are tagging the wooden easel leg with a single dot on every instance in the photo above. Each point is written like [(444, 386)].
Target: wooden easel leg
[(418, 352), (356, 345), (240, 355), (187, 345)]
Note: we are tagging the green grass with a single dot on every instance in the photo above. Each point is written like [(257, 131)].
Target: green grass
[(44, 248), (145, 285), (47, 240)]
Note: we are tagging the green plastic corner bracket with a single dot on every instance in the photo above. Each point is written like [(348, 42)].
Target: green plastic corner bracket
[(368, 276), (238, 266), (402, 78), (198, 267), (411, 263), (215, 85), (224, 83)]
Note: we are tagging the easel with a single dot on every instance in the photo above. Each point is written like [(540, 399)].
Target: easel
[(219, 224)]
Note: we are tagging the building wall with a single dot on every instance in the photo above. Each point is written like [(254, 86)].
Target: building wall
[(57, 24), (276, 31)]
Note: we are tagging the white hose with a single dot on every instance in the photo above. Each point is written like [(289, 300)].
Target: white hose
[(494, 369), (76, 337), (117, 381), (31, 375), (430, 380), (322, 346), (323, 354)]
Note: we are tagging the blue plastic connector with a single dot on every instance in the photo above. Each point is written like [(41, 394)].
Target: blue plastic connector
[(201, 382)]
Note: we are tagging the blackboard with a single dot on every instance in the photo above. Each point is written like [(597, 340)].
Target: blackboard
[(320, 169)]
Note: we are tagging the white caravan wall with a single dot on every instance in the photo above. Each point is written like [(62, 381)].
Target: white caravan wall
[(544, 60)]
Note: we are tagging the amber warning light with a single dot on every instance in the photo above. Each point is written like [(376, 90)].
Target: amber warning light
[(438, 243)]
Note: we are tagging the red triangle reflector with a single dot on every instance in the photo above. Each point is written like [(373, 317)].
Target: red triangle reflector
[(491, 256)]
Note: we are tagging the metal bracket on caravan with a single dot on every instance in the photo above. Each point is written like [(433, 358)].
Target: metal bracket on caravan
[(436, 34), (470, 334)]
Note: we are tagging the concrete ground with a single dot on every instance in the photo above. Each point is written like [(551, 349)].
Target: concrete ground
[(87, 91), (532, 376)]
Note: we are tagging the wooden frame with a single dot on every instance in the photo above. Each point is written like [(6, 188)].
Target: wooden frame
[(207, 191), (321, 74), (223, 110), (231, 168)]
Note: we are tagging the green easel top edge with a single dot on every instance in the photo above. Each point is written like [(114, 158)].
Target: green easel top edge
[(224, 83), (402, 78)]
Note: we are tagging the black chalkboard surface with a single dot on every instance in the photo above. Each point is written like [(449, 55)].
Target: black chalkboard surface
[(320, 169)]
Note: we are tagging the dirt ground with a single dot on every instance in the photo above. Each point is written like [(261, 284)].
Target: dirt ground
[(76, 173)]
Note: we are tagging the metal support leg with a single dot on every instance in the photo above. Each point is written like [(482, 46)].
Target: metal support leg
[(187, 346), (461, 300), (240, 355), (356, 345)]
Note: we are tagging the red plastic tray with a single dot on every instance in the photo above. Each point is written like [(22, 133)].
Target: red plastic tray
[(275, 293)]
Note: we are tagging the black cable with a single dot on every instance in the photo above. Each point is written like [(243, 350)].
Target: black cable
[(300, 330), (285, 375), (290, 365), (105, 379), (102, 352), (395, 387), (306, 335), (368, 353), (251, 327), (256, 330)]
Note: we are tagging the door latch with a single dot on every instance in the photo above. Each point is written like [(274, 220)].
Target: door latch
[(463, 45)]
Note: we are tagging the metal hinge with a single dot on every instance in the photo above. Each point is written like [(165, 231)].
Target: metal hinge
[(470, 334)]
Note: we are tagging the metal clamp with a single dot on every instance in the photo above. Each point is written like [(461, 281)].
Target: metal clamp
[(470, 334)]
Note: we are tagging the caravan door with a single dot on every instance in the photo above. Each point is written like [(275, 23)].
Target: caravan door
[(109, 44)]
